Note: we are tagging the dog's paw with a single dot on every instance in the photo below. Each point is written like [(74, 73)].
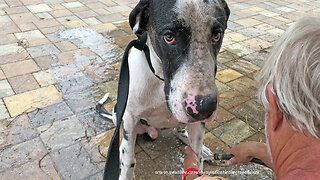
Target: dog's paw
[(181, 134), (147, 137), (206, 154)]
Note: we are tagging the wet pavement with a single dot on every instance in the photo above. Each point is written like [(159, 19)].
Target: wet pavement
[(58, 58)]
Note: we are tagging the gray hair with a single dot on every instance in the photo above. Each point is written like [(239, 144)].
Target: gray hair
[(293, 71)]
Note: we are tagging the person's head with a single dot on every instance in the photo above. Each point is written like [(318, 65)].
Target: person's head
[(290, 80)]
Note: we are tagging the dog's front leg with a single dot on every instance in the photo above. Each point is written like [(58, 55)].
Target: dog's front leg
[(196, 133), (127, 156)]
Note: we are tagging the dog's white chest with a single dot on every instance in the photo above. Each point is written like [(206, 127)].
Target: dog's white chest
[(160, 117)]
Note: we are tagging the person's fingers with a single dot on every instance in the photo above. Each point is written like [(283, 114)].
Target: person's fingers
[(232, 161), (239, 160), (188, 150)]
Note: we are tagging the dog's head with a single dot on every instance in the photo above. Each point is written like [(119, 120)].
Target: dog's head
[(186, 35)]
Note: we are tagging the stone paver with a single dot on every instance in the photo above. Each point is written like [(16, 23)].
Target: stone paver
[(31, 170), (13, 58), (19, 68), (239, 49), (32, 100), (235, 37), (222, 117), (105, 28), (233, 132), (47, 49), (256, 44), (5, 89), (65, 46), (59, 134), (222, 87), (245, 86), (30, 35), (110, 87), (3, 111), (97, 147), (43, 15), (39, 8), (27, 26), (26, 17), (258, 137), (65, 76), (16, 130), (67, 57), (60, 13), (15, 10), (72, 5), (48, 114), (252, 113), (45, 62), (171, 161), (248, 22), (155, 148), (227, 75), (232, 98), (21, 153), (92, 21), (23, 83), (82, 166), (212, 142), (2, 76), (8, 38), (10, 49), (44, 78), (145, 163), (242, 66)]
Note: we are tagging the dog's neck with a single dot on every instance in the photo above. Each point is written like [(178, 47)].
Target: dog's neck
[(155, 60)]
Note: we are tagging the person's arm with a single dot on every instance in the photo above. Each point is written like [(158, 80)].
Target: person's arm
[(190, 161), (245, 151)]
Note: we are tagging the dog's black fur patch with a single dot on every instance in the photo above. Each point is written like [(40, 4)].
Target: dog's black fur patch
[(132, 165), (160, 17), (125, 134)]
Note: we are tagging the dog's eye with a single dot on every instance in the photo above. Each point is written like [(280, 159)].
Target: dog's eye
[(216, 37), (169, 38)]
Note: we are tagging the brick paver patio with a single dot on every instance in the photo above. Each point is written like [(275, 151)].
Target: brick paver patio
[(59, 57)]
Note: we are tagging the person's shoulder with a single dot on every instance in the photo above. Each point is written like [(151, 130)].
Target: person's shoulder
[(301, 174)]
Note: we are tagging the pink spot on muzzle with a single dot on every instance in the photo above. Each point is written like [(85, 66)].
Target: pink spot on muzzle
[(191, 103)]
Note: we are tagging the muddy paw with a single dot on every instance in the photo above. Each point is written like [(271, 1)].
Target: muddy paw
[(207, 154)]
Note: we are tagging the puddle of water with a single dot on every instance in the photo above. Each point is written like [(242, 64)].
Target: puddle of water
[(98, 67), (88, 38)]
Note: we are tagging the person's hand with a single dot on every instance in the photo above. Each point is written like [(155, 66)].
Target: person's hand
[(191, 159), (242, 153)]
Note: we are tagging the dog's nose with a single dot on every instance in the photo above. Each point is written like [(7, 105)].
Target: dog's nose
[(200, 107)]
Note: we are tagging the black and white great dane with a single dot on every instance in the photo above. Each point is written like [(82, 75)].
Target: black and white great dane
[(184, 38)]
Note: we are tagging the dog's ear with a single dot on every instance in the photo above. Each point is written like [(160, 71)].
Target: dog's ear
[(139, 17), (226, 9)]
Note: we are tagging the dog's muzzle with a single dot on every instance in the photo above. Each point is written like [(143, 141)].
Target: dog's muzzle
[(200, 107)]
